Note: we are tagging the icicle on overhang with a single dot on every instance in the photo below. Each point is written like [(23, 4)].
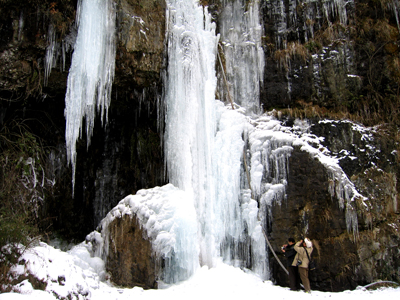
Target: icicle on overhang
[(92, 72)]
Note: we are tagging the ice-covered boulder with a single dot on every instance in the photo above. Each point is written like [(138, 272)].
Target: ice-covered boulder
[(149, 238)]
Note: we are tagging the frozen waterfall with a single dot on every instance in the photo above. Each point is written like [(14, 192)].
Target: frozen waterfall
[(207, 213), (204, 143), (92, 72)]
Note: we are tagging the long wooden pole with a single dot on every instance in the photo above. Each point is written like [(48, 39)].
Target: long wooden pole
[(223, 74), (272, 250)]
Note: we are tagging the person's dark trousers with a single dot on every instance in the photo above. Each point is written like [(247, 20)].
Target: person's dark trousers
[(294, 278)]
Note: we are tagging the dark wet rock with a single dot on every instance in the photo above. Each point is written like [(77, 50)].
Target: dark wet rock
[(130, 258)]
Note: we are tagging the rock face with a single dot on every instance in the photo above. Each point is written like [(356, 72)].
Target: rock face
[(323, 52), (141, 33), (345, 259), (130, 258)]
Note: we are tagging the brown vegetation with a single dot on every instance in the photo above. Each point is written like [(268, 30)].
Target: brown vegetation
[(23, 185)]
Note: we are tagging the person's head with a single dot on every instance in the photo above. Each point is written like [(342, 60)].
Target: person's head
[(291, 241), (307, 243)]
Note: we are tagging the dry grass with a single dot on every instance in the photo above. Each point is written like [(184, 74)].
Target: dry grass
[(4, 278), (384, 31), (326, 215), (393, 66), (304, 110), (369, 112), (333, 34), (293, 50)]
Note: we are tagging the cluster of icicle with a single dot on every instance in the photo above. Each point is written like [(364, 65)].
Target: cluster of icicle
[(270, 150), (57, 51), (271, 145), (241, 34), (91, 74), (207, 213), (313, 11)]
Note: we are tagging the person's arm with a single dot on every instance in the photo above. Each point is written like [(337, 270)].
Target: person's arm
[(297, 247)]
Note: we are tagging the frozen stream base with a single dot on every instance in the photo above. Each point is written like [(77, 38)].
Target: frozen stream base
[(72, 275)]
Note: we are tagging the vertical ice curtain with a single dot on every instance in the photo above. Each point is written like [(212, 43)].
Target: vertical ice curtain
[(190, 114), (204, 143), (91, 74)]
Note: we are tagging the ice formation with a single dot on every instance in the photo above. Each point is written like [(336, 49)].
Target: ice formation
[(92, 72), (241, 34), (270, 149), (204, 156), (50, 60), (315, 13), (189, 112), (21, 24), (394, 6), (56, 51), (271, 145), (208, 212)]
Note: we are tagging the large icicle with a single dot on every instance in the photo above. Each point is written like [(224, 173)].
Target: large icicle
[(241, 34), (92, 72), (190, 116)]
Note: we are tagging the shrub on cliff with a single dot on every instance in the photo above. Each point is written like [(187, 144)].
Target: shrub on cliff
[(23, 185)]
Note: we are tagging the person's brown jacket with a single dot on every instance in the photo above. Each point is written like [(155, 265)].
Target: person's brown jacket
[(302, 255)]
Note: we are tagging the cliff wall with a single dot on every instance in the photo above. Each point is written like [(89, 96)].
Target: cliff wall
[(327, 61), (37, 39)]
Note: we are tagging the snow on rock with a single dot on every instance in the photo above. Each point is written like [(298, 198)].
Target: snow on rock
[(65, 274), (168, 217), (271, 144)]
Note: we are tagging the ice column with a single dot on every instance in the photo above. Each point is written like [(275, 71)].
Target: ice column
[(190, 116), (287, 17), (237, 230), (92, 72), (270, 151), (241, 33), (204, 143)]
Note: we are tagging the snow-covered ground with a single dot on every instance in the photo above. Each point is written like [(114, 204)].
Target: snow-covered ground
[(76, 275)]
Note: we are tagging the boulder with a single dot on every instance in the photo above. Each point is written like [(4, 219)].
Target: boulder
[(130, 260)]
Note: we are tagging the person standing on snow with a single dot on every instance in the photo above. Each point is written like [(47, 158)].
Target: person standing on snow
[(301, 260), (290, 253)]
